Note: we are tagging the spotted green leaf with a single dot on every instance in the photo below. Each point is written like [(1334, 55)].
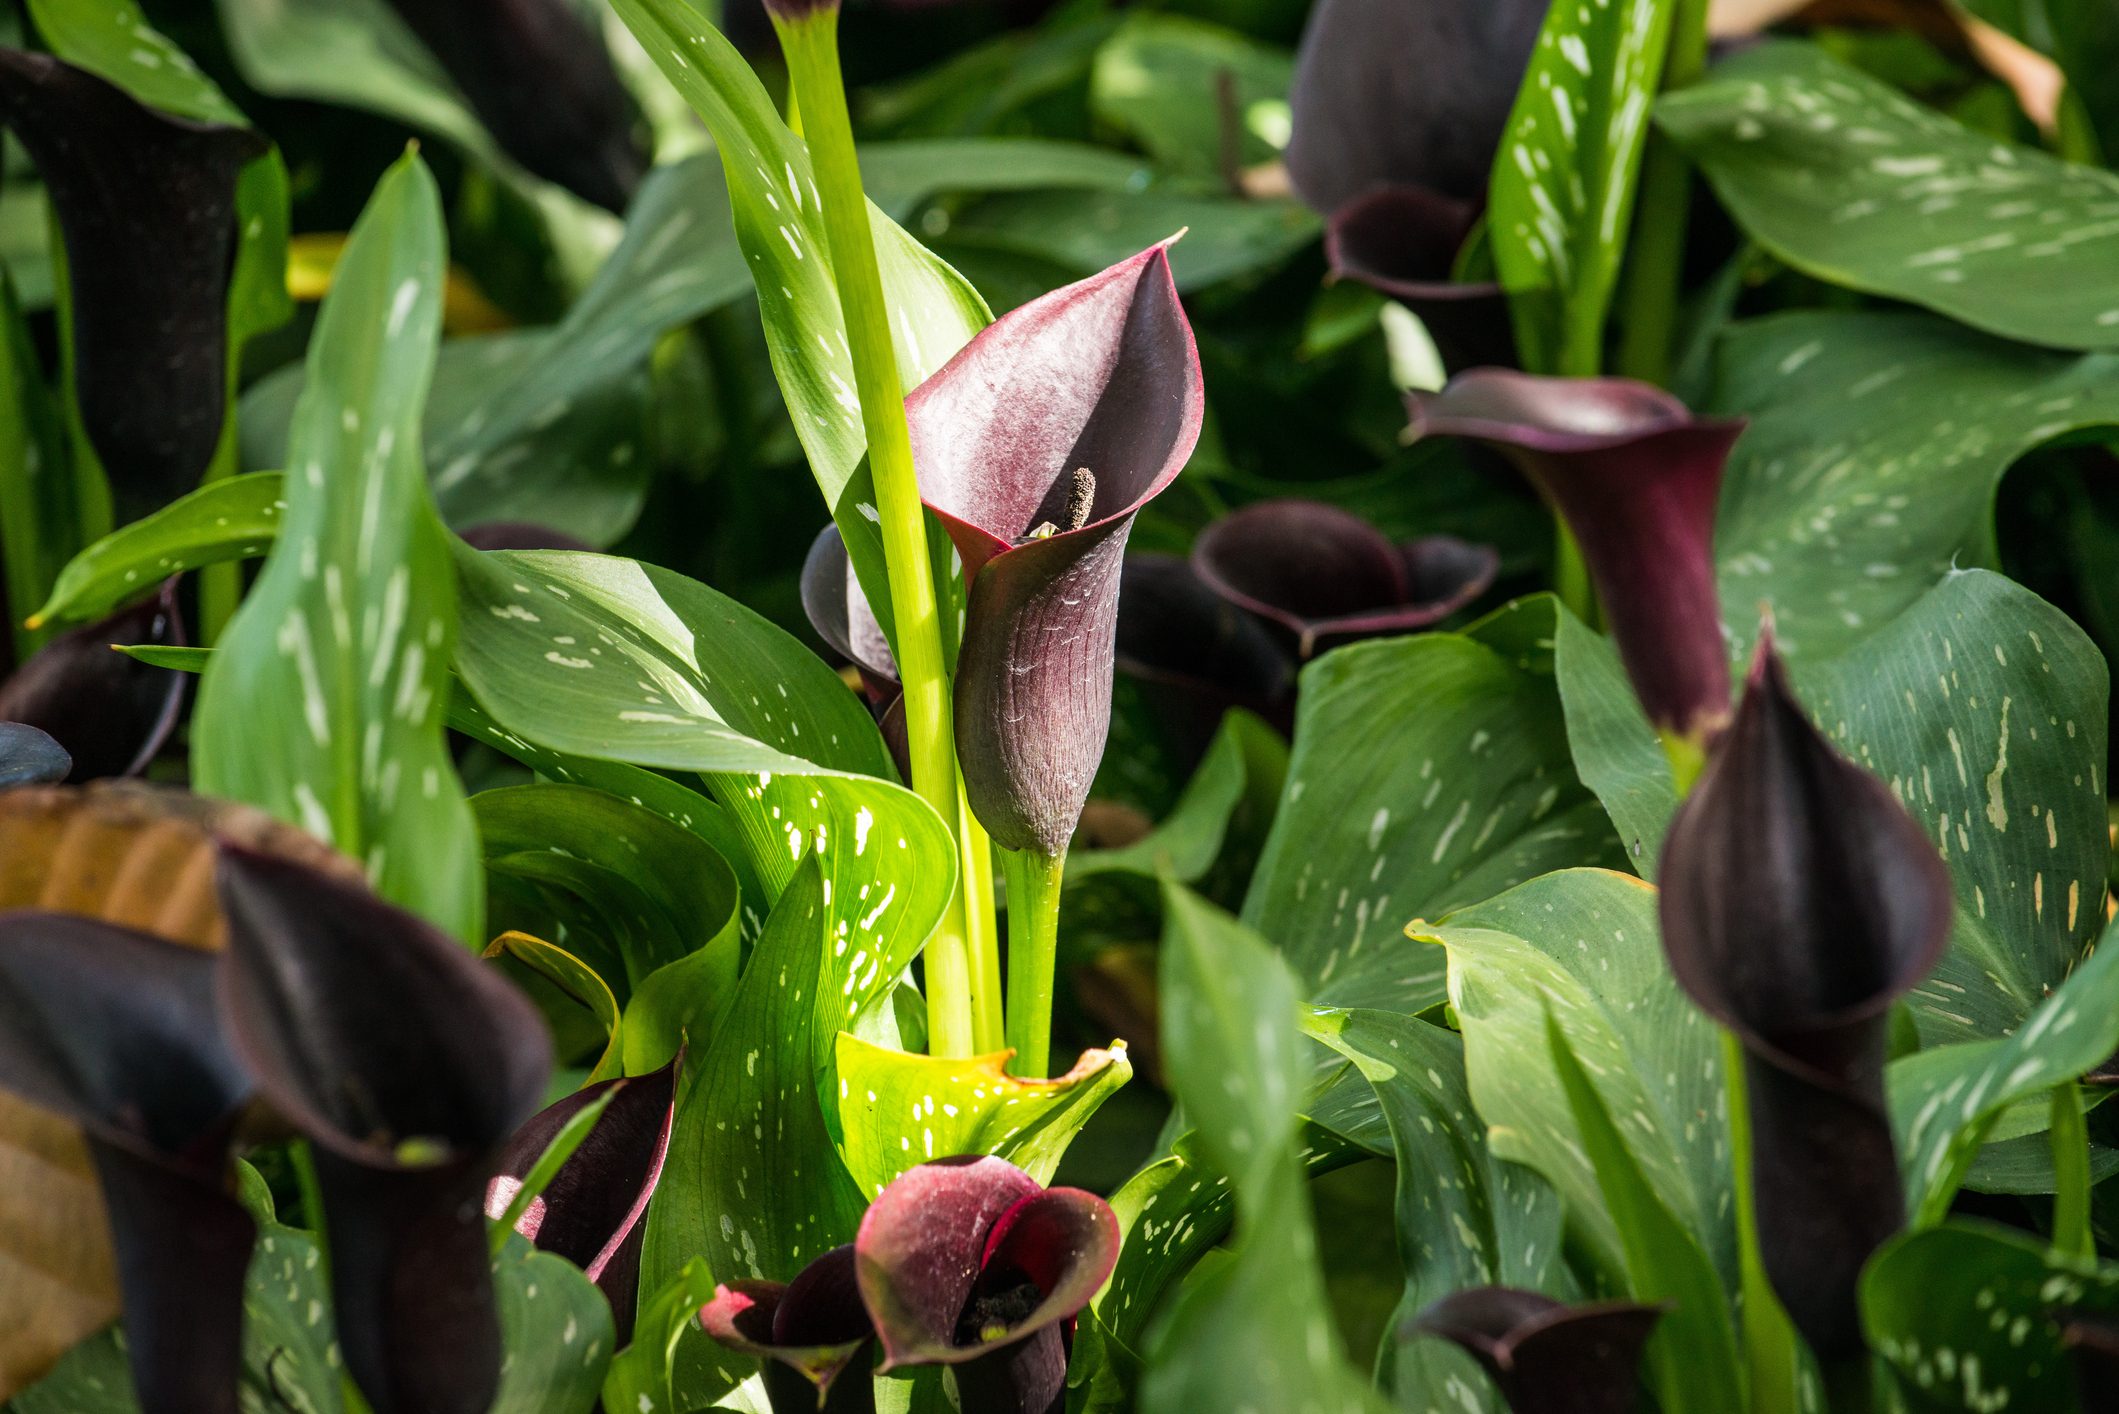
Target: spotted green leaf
[(324, 704), (232, 519), (555, 1330), (1963, 1316), (642, 1379), (1946, 1099), (1562, 192), (1427, 773), (1615, 749), (1849, 180), (897, 1109), (1251, 1332)]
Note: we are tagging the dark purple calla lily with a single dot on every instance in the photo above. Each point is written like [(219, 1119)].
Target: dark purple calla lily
[(1036, 446), (1547, 1357), (1799, 900), (1397, 111), (409, 1064), (969, 1262), (810, 1336), (1324, 576), (1196, 653), (842, 617), (521, 535), (146, 208), (112, 713), (541, 81), (116, 1031), (1637, 478), (29, 757), (593, 1211)]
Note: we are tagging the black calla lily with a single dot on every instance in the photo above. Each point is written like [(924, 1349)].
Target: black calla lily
[(112, 714), (146, 208), (1196, 653), (1547, 1357), (409, 1064), (117, 1032), (1799, 901), (811, 1336)]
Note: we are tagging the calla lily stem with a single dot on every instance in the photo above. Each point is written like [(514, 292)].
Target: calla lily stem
[(1033, 951), (1657, 265), (1771, 1349), (983, 936), (811, 44), (2072, 1236)]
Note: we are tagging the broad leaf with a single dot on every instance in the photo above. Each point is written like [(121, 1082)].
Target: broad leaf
[(1233, 791), (232, 519), (1849, 180), (1561, 199), (325, 704)]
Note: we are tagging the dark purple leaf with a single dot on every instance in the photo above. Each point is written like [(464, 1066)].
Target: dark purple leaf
[(1198, 654), (841, 615), (521, 535), (1037, 445), (1636, 476), (117, 1031), (1799, 901), (591, 1212), (409, 1064), (112, 713), (1403, 241), (805, 1335), (146, 207), (1547, 1357), (539, 78), (1328, 577), (29, 757)]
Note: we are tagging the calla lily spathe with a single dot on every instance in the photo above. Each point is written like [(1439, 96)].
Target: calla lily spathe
[(1545, 1356)]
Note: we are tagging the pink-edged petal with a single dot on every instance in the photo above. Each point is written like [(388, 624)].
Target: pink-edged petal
[(808, 1335), (1403, 241), (1637, 478), (921, 1248)]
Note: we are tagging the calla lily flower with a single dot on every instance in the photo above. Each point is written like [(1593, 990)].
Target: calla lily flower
[(805, 1334), (593, 1211), (29, 757), (1544, 1356), (843, 618), (116, 1031), (146, 207), (112, 714), (969, 1262), (1036, 446), (409, 1064), (1637, 477), (1799, 901), (1397, 111), (541, 81), (1197, 653), (1325, 576)]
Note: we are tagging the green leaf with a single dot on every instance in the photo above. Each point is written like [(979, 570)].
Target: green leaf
[(2083, 35), (1198, 98), (1963, 1315), (1615, 749), (1870, 467), (1851, 181), (642, 1378), (1428, 773), (555, 1328), (1945, 1100), (114, 41), (753, 1181), (897, 1110), (1225, 237), (608, 659), (1691, 1358), (1253, 1332), (1563, 180), (580, 982), (324, 706), (1583, 948), (1237, 784), (45, 509), (1464, 1217), (233, 519)]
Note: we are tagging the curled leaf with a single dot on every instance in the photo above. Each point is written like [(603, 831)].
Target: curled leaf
[(409, 1064), (1036, 446), (1799, 901), (1636, 477), (1547, 1357)]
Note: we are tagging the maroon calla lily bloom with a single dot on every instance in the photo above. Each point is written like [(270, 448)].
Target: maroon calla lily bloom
[(146, 208), (593, 1211), (1326, 576), (1547, 1357), (1397, 111), (1036, 446), (805, 1334), (1196, 654), (1799, 901), (409, 1063), (843, 618), (117, 1031), (1637, 477), (113, 714)]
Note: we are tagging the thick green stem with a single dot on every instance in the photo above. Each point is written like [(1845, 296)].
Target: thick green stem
[(1772, 1351), (1033, 951), (1655, 266), (811, 44), (1570, 574), (983, 933), (2071, 1176)]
